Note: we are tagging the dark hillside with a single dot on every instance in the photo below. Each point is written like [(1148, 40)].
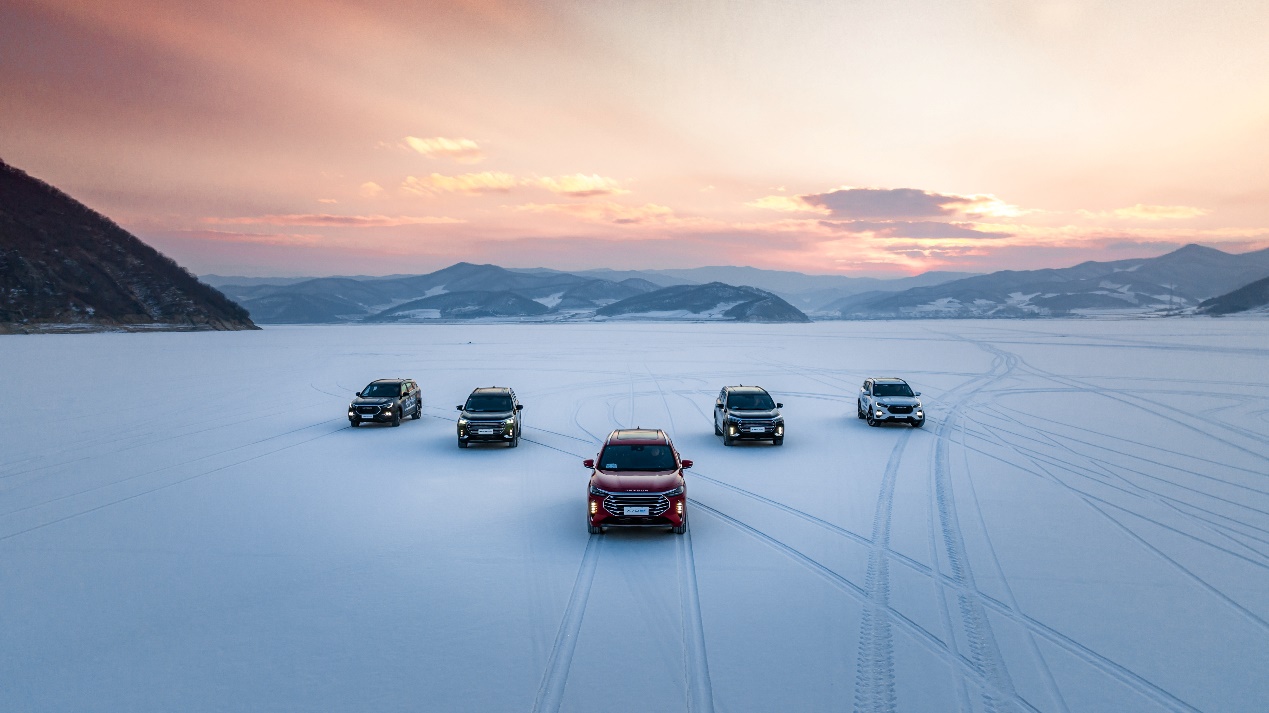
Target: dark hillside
[(63, 265)]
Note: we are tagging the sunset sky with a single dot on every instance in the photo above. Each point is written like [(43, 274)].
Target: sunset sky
[(860, 138)]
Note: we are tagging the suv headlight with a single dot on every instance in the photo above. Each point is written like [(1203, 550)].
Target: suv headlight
[(462, 423), (674, 493), (509, 421), (597, 492)]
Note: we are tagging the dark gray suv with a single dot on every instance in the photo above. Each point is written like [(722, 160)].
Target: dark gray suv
[(491, 414), (747, 413), (386, 401)]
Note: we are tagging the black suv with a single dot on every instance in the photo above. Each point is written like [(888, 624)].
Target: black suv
[(747, 412), (490, 414), (386, 401)]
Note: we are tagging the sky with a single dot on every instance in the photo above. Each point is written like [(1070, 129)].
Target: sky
[(844, 137)]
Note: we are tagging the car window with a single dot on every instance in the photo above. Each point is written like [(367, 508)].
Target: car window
[(381, 390), (632, 457), (892, 390), (751, 400), (488, 402)]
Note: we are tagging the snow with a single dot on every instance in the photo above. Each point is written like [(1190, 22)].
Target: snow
[(187, 523), (550, 300)]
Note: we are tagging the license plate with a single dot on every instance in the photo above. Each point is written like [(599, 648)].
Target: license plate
[(484, 431), (756, 429), (635, 511)]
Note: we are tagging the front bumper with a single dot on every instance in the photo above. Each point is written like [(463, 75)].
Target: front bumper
[(499, 432), (882, 413), (673, 516), (745, 431), (380, 416)]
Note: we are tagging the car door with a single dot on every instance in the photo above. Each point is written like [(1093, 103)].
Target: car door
[(866, 397), (719, 413), (414, 395)]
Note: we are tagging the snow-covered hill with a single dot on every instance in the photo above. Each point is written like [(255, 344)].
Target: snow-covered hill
[(188, 524)]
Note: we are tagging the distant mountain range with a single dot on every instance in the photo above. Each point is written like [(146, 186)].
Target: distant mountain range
[(809, 293), (467, 291), (66, 267), (1173, 283)]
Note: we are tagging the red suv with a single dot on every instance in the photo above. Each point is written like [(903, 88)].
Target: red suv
[(637, 482)]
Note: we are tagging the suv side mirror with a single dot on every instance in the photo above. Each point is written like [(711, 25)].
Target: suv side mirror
[(918, 393), (779, 405), (519, 407), (687, 463), (460, 408), (358, 394), (589, 462), (718, 403)]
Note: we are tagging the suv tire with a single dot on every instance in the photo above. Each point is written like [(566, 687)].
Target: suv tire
[(396, 418), (418, 411), (354, 422), (462, 444), (859, 409), (777, 441), (872, 421), (717, 431), (514, 441), (727, 441), (917, 424), (593, 529)]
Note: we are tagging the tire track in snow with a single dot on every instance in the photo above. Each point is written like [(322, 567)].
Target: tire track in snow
[(695, 658), (174, 483), (874, 676), (555, 678)]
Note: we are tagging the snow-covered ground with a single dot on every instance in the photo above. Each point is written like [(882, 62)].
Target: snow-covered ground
[(188, 524)]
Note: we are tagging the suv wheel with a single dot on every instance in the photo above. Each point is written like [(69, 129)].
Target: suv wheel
[(418, 411), (918, 424), (717, 431), (681, 529), (354, 422), (727, 439), (462, 444), (777, 441), (593, 529), (859, 409), (871, 421), (396, 418), (514, 441)]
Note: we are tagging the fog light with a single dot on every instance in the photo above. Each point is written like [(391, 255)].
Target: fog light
[(879, 414), (594, 507), (679, 507), (779, 430)]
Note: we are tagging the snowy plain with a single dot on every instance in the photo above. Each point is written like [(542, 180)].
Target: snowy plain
[(187, 523)]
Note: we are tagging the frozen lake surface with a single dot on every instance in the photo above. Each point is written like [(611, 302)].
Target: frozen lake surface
[(187, 523)]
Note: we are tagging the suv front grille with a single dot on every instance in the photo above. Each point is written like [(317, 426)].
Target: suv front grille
[(616, 503), (368, 410), (474, 426), (899, 409)]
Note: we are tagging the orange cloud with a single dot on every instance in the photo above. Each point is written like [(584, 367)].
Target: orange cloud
[(1159, 212), (326, 220), (369, 189), (460, 150), (579, 185), (470, 183), (605, 212)]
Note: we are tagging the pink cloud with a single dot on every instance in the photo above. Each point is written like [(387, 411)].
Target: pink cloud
[(327, 220)]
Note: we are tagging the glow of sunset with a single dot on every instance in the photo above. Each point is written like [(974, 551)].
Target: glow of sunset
[(326, 137)]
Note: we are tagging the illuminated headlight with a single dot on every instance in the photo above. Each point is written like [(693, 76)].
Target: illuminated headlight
[(879, 413), (920, 413), (679, 508), (351, 412), (462, 423), (594, 507), (597, 492), (731, 427), (509, 422), (780, 430), (674, 493)]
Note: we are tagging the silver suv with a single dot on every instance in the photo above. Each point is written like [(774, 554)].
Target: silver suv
[(889, 400)]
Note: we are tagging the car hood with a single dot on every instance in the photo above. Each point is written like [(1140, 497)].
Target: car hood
[(487, 415), (643, 481), (376, 401), (755, 413), (898, 400)]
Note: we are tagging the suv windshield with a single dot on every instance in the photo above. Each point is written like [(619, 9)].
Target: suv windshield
[(488, 402), (382, 390), (637, 458), (752, 400), (891, 390)]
